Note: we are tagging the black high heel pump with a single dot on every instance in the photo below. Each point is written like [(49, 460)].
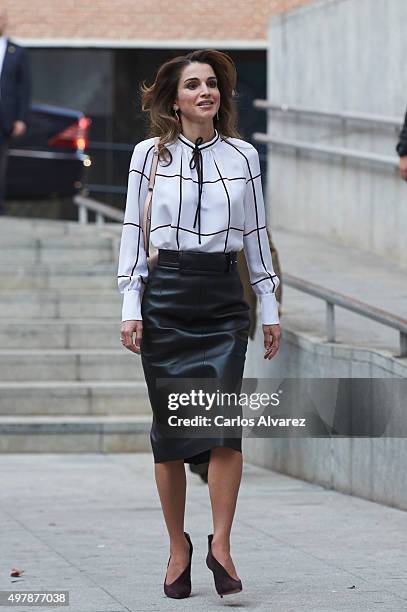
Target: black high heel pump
[(224, 583), (181, 587)]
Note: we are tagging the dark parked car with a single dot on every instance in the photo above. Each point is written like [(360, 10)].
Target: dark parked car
[(50, 158)]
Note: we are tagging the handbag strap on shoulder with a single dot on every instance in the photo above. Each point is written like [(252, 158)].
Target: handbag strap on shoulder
[(148, 200)]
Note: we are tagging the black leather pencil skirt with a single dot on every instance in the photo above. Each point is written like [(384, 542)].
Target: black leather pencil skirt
[(195, 325)]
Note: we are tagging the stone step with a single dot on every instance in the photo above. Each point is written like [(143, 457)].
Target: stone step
[(38, 365), (19, 226), (75, 434), (63, 282), (58, 398), (61, 253), (63, 277), (64, 333), (57, 268), (57, 304), (73, 241)]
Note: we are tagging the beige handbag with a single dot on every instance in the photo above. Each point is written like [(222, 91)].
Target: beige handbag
[(151, 259)]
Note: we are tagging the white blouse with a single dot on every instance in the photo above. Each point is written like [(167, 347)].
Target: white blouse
[(208, 199)]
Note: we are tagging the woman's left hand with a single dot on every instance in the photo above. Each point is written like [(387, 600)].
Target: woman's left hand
[(272, 334)]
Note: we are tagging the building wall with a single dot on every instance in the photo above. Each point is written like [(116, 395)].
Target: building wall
[(367, 456), (149, 20), (345, 55)]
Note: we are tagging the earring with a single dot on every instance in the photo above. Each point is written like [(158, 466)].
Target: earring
[(217, 116), (176, 114)]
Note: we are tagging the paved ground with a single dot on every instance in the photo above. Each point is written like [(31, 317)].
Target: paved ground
[(92, 524), (355, 273)]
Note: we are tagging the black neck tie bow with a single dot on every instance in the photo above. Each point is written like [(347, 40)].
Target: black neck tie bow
[(196, 162)]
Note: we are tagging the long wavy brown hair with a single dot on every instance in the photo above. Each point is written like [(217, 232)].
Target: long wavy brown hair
[(158, 98)]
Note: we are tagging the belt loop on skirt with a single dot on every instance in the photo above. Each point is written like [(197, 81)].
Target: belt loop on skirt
[(189, 262)]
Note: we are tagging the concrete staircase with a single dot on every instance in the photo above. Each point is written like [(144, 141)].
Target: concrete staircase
[(66, 383)]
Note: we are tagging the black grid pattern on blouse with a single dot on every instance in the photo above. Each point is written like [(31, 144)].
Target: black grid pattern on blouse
[(178, 228)]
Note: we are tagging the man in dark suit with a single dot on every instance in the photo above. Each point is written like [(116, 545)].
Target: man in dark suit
[(402, 150), (15, 92)]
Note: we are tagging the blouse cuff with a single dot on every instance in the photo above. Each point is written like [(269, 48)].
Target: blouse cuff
[(269, 309), (131, 310)]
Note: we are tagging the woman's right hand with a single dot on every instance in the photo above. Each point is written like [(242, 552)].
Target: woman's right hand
[(272, 335), (127, 331)]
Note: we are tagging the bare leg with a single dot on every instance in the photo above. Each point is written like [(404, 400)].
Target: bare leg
[(224, 476), (172, 484)]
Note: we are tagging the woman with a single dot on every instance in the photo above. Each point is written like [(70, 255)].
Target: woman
[(191, 320)]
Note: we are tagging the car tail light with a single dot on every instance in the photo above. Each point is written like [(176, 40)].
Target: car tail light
[(73, 137)]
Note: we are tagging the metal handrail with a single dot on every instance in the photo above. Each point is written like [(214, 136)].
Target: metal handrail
[(102, 210), (379, 120), (333, 298), (300, 145)]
